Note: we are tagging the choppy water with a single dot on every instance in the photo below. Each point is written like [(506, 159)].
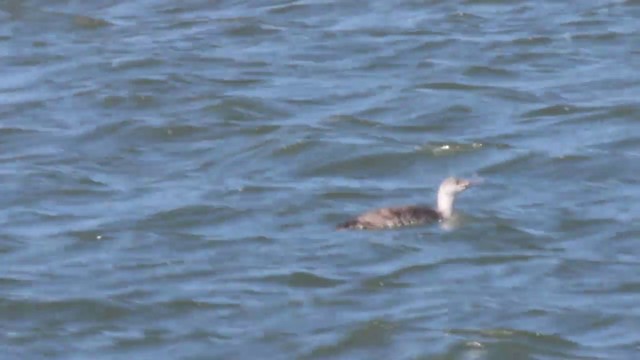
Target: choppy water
[(172, 171)]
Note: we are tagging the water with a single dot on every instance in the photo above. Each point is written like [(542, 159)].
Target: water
[(172, 173)]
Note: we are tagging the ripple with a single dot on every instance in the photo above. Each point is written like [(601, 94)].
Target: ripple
[(135, 100), (593, 37), (487, 71), (369, 162), (511, 164), (87, 22), (511, 342), (8, 282), (140, 130), (87, 235), (296, 148), (67, 308), (555, 110), (533, 41), (189, 216), (346, 195), (6, 132), (450, 86), (295, 7), (245, 109), (351, 120), (127, 63), (392, 278), (628, 287), (374, 333), (440, 149), (305, 280), (514, 333), (182, 305)]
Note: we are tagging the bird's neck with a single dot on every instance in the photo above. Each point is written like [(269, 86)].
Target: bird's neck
[(445, 204)]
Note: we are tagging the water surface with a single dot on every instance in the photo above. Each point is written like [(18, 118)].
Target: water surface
[(172, 173)]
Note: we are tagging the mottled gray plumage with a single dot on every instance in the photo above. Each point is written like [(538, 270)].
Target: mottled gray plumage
[(393, 217), (387, 218)]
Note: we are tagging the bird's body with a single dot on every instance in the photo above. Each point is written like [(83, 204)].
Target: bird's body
[(394, 217)]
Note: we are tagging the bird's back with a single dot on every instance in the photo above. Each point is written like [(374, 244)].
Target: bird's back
[(393, 217)]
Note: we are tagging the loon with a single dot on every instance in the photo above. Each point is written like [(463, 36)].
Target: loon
[(394, 217)]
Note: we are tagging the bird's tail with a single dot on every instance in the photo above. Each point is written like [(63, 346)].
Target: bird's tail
[(347, 225)]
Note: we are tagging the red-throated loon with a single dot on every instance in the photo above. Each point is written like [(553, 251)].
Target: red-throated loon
[(393, 217)]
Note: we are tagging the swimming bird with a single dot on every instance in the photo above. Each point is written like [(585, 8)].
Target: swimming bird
[(393, 217)]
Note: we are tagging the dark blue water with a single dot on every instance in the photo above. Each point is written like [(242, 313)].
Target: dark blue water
[(172, 173)]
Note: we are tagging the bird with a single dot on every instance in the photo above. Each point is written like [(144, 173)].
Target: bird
[(399, 216)]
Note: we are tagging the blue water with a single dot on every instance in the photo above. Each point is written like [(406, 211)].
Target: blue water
[(173, 171)]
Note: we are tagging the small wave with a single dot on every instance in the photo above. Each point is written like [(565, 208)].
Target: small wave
[(393, 278), (68, 308), (516, 335), (347, 194), (488, 71), (533, 41), (450, 86), (351, 120), (304, 279), (138, 130), (440, 149), (88, 22), (137, 100), (511, 164), (296, 148), (189, 216), (131, 62), (232, 109), (373, 333), (555, 110), (601, 36), (251, 29), (383, 162)]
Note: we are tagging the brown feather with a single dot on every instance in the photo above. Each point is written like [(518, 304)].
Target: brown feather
[(388, 218)]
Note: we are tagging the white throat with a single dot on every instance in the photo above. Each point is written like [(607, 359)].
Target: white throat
[(445, 204)]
